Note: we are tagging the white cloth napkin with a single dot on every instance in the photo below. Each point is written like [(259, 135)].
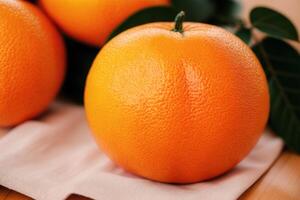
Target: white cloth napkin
[(55, 156)]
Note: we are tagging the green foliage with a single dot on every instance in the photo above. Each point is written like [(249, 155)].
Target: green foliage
[(211, 11), (282, 65), (273, 23), (244, 34), (153, 14)]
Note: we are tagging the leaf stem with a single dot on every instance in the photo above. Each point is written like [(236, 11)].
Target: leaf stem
[(179, 22)]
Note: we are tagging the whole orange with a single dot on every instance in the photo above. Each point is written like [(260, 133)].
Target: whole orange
[(92, 21), (32, 60), (177, 105)]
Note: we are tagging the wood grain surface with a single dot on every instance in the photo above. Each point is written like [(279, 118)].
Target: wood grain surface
[(282, 181)]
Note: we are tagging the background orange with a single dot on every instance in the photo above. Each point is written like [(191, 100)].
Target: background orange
[(92, 21), (32, 60)]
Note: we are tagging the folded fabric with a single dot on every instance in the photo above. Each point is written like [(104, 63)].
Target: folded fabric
[(55, 156)]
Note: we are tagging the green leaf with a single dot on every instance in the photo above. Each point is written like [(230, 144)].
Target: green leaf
[(244, 34), (281, 63), (196, 10), (153, 14), (273, 23)]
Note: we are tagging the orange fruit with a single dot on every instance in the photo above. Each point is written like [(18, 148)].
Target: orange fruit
[(176, 105), (32, 61), (92, 21)]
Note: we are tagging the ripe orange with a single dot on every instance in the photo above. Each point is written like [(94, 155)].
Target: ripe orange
[(177, 106), (32, 61), (92, 21)]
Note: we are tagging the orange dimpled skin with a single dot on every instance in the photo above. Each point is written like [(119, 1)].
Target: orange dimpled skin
[(32, 62), (177, 107), (92, 21)]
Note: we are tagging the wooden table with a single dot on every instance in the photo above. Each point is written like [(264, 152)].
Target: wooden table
[(281, 182)]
